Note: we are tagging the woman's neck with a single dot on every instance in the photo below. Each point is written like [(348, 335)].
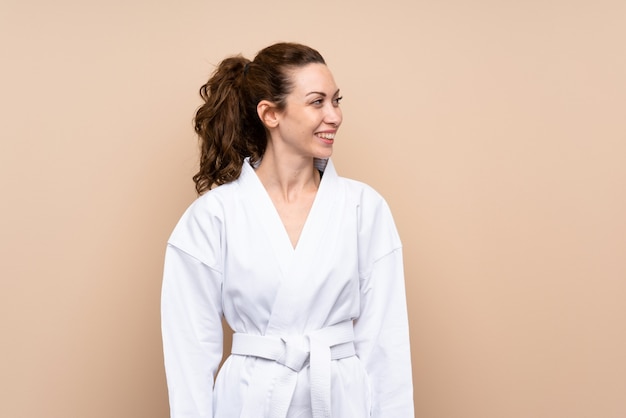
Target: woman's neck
[(287, 177)]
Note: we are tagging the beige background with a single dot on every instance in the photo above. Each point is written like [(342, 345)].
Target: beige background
[(496, 130)]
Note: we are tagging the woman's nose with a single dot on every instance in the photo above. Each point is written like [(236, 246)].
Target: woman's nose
[(334, 116)]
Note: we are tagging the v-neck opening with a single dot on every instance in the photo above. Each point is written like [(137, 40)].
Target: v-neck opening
[(276, 215)]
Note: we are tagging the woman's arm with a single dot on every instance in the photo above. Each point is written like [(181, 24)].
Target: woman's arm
[(382, 330), (191, 320)]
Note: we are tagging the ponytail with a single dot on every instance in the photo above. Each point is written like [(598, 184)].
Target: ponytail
[(218, 123)]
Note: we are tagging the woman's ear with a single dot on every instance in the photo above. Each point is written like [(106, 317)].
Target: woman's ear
[(268, 113)]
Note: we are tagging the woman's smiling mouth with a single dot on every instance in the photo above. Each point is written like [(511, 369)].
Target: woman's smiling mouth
[(327, 137)]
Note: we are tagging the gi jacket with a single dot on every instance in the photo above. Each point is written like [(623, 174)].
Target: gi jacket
[(230, 256)]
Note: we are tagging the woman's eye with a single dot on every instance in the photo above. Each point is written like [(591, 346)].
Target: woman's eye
[(320, 101)]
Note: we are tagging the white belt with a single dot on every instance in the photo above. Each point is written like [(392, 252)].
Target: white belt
[(317, 348)]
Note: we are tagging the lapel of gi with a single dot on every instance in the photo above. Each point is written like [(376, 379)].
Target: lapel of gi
[(297, 280), (261, 204)]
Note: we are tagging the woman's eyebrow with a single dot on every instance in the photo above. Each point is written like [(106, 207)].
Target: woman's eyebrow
[(321, 93)]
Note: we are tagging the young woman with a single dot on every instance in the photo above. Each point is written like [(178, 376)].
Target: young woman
[(304, 265)]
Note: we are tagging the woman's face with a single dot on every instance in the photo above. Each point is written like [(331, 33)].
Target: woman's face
[(312, 116)]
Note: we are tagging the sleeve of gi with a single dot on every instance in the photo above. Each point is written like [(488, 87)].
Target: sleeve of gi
[(191, 319), (381, 331)]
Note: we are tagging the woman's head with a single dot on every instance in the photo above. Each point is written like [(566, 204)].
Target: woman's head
[(306, 124), (228, 123)]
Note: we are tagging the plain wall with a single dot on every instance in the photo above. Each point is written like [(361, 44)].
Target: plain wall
[(495, 129)]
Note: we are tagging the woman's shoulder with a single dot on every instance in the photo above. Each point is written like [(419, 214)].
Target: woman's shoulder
[(205, 215), (371, 204), (364, 192), (376, 225), (215, 199)]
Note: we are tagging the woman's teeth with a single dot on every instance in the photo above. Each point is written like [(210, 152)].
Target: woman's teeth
[(326, 136)]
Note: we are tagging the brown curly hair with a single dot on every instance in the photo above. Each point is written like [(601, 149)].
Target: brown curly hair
[(227, 124)]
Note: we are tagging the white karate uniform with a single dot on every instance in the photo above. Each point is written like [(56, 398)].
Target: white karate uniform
[(321, 329)]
